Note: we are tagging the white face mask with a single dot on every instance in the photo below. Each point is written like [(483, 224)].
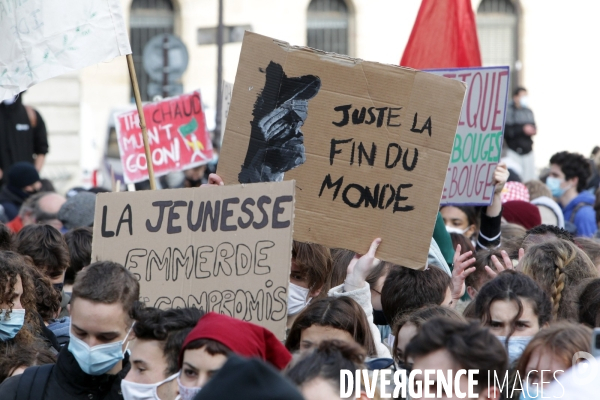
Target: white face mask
[(524, 101), (187, 393), (452, 229), (143, 391), (516, 345), (297, 299)]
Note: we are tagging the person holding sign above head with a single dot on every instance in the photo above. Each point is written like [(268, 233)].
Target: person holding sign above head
[(159, 335), (357, 287), (94, 362), (216, 337), (482, 228)]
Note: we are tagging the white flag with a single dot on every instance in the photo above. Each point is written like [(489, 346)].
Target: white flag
[(41, 39)]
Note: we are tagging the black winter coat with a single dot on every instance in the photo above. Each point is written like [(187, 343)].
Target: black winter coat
[(68, 382)]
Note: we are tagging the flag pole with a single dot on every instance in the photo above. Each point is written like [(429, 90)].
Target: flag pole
[(138, 102)]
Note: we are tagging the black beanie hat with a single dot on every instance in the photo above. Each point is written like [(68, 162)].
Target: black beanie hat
[(22, 174), (248, 379)]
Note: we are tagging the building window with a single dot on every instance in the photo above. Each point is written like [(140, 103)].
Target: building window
[(328, 26), (498, 31), (148, 19)]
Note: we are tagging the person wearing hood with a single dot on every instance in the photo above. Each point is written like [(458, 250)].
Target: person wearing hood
[(23, 136), (569, 173), (22, 181)]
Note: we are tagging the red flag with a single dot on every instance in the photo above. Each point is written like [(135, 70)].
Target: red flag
[(444, 36)]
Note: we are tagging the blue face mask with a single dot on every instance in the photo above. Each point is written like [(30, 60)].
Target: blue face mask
[(516, 345), (554, 186), (9, 327), (530, 392), (99, 359)]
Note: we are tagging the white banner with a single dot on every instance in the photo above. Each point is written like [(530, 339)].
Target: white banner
[(41, 39)]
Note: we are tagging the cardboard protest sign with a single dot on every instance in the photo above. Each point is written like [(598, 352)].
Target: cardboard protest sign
[(478, 143), (176, 132), (368, 144), (225, 249), (42, 39)]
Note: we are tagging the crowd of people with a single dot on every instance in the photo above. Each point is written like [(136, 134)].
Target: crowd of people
[(511, 290)]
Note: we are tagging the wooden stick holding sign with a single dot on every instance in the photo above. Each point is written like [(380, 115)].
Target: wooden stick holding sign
[(138, 102)]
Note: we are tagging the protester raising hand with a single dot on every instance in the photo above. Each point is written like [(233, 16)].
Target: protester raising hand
[(508, 264), (357, 288), (462, 269), (214, 180), (360, 268), (501, 175)]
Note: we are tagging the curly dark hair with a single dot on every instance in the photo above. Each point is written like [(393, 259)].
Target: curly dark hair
[(170, 327), (47, 298), (552, 229), (573, 165), (12, 267)]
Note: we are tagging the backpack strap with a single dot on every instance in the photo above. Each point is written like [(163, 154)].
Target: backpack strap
[(31, 114), (577, 208), (33, 382)]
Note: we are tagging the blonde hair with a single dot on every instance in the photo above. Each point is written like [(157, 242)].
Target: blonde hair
[(558, 266)]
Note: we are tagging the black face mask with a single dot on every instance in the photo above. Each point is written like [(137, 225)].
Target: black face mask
[(20, 192), (379, 317), (58, 286)]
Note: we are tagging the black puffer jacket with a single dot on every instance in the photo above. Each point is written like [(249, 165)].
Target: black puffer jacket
[(68, 382)]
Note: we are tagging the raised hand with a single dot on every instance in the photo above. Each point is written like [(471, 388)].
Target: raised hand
[(462, 269), (360, 267), (214, 180), (500, 267), (500, 177)]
